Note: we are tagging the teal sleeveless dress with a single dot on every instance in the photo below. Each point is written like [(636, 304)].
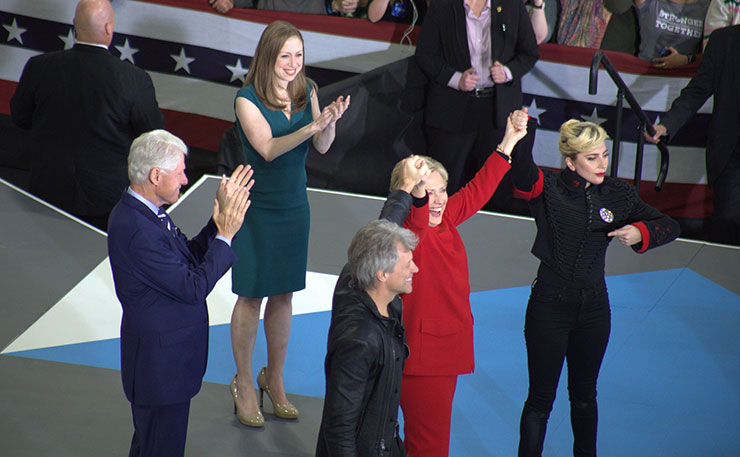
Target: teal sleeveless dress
[(272, 245)]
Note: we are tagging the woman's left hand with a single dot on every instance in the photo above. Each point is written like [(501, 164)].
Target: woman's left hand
[(627, 235), (673, 59), (333, 111)]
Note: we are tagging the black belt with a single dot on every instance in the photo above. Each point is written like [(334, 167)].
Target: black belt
[(482, 92)]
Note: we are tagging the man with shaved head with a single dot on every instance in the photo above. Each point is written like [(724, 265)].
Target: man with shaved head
[(84, 106)]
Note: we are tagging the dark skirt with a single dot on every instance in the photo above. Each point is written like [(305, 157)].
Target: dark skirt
[(272, 247)]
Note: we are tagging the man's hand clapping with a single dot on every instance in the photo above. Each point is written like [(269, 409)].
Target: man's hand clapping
[(232, 201)]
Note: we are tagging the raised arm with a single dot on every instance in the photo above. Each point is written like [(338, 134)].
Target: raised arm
[(525, 176), (413, 171)]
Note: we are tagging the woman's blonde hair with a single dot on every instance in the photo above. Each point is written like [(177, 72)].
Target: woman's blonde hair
[(434, 165), (262, 68), (579, 136)]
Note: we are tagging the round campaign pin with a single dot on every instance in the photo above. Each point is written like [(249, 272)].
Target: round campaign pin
[(606, 215)]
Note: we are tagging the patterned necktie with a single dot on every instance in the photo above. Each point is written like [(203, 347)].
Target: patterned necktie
[(165, 219)]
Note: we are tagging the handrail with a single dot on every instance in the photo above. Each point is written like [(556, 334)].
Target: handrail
[(644, 122)]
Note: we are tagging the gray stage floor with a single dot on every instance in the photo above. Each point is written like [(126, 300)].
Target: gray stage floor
[(62, 409)]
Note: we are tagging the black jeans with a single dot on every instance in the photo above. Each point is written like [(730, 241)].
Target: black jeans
[(564, 321)]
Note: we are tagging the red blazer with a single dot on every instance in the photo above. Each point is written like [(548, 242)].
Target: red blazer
[(436, 314)]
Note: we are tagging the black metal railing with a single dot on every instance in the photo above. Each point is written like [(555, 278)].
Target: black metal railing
[(644, 123)]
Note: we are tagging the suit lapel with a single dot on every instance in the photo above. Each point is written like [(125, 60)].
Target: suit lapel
[(498, 33), (461, 32)]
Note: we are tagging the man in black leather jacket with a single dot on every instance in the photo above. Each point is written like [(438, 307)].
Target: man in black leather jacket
[(366, 347)]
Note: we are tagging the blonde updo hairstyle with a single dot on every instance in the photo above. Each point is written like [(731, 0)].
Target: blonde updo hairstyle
[(434, 165), (579, 136)]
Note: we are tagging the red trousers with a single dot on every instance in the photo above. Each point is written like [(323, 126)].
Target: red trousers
[(426, 402)]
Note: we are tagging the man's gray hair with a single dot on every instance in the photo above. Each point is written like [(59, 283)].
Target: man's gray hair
[(373, 249), (155, 149)]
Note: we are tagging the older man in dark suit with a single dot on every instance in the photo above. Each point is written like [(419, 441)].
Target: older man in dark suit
[(84, 106), (162, 280), (718, 75)]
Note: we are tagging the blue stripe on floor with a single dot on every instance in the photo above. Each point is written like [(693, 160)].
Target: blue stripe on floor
[(668, 387)]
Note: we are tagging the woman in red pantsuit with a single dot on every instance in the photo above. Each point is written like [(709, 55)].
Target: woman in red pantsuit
[(437, 315)]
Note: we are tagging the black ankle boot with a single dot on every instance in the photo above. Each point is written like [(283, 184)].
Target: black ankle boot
[(532, 430), (584, 418)]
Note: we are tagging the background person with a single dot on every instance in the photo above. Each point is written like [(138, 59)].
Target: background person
[(718, 75), (578, 212), (670, 31), (474, 53), (720, 14), (83, 118), (437, 314), (162, 280), (277, 114)]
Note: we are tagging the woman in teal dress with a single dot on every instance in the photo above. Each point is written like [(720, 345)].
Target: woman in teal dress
[(277, 114)]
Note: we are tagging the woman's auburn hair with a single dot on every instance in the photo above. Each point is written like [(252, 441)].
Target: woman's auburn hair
[(262, 68)]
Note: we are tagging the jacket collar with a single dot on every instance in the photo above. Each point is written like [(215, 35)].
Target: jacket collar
[(573, 181), (81, 47)]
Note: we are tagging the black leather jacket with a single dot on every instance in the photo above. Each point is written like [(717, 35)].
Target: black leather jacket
[(364, 363)]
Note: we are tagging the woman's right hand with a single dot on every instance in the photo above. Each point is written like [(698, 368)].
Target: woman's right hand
[(332, 112)]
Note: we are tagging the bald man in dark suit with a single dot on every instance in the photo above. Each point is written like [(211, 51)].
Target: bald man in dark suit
[(83, 107)]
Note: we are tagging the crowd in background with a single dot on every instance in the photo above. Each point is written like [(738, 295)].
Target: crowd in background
[(670, 33), (474, 54)]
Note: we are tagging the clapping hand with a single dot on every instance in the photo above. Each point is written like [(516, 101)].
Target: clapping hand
[(229, 218), (240, 178), (332, 112)]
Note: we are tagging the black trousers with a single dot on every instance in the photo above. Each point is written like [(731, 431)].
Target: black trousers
[(725, 220), (564, 322), (463, 152)]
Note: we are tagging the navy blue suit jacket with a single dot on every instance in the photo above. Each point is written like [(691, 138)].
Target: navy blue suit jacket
[(162, 281)]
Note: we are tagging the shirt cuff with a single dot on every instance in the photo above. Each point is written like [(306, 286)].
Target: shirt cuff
[(454, 82), (419, 202), (224, 239), (645, 236), (509, 77)]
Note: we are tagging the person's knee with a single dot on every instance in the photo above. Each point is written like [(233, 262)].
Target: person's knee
[(540, 405), (248, 304)]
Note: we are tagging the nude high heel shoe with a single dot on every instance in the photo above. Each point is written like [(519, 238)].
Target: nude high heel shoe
[(286, 411), (251, 420)]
